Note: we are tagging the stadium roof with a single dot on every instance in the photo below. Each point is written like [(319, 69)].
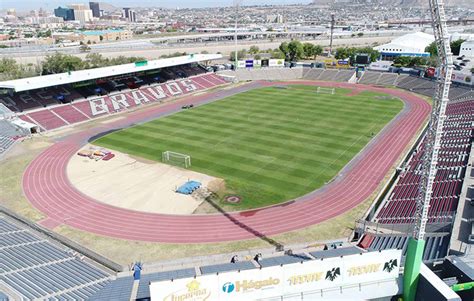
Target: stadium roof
[(45, 81)]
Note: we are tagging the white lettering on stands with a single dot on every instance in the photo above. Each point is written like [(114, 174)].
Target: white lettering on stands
[(26, 98), (155, 94), (64, 91), (139, 97), (145, 95), (188, 85), (174, 88), (119, 101), (8, 101), (98, 106), (159, 89), (44, 95)]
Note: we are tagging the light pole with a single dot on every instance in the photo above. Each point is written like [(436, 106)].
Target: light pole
[(237, 3)]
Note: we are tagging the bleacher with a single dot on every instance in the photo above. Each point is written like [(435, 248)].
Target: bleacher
[(436, 244), (79, 110), (453, 159), (35, 268), (369, 77)]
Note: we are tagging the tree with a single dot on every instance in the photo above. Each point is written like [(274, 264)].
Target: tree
[(94, 60), (432, 49), (284, 48), (295, 51), (341, 53), (456, 46), (318, 50), (257, 57), (402, 61), (472, 70), (241, 54), (254, 49), (59, 63), (101, 38), (360, 34), (308, 49)]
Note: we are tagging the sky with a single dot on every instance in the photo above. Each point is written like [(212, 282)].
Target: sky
[(26, 5)]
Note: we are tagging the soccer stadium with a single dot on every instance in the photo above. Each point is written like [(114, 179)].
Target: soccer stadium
[(167, 180)]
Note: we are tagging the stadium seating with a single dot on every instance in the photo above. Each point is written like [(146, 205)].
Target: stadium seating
[(370, 77), (47, 119), (387, 79), (35, 268), (453, 159), (81, 109), (436, 244)]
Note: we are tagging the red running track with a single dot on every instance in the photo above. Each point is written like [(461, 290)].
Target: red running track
[(47, 187)]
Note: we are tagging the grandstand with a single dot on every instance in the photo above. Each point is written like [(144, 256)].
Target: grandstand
[(33, 267), (55, 101), (36, 267)]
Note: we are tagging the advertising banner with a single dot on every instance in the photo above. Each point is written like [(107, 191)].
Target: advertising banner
[(240, 64), (249, 63), (276, 63), (462, 78), (282, 280), (257, 63)]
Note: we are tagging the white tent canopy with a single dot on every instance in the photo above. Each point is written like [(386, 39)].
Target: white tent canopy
[(44, 81), (409, 43)]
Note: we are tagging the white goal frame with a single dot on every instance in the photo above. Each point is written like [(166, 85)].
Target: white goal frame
[(176, 158), (325, 90)]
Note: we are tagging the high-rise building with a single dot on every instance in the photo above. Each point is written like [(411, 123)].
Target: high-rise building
[(83, 15), (66, 13), (126, 12), (129, 14), (95, 7)]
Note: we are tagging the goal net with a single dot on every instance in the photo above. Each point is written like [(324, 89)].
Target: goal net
[(177, 159), (324, 90)]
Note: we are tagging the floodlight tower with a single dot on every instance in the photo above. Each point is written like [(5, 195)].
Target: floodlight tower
[(237, 4), (332, 32), (416, 243)]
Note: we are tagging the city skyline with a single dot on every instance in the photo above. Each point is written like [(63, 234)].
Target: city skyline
[(27, 5)]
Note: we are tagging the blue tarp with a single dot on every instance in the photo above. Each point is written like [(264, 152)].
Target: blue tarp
[(188, 187)]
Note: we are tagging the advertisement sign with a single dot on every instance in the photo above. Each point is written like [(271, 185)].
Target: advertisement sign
[(380, 66), (462, 78), (282, 280), (276, 63), (257, 63), (249, 63), (240, 64), (333, 63)]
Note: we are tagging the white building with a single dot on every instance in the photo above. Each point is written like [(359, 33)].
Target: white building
[(412, 44), (467, 49), (83, 15)]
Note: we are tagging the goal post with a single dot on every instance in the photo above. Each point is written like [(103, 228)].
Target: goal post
[(177, 159), (325, 90)]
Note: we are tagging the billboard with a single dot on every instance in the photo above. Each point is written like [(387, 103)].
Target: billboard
[(289, 279), (276, 63)]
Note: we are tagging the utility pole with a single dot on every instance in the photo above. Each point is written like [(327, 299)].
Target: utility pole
[(416, 244)]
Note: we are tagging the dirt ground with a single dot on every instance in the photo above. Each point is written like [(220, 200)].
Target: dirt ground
[(135, 184)]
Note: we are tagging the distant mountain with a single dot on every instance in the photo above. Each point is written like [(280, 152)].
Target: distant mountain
[(107, 7)]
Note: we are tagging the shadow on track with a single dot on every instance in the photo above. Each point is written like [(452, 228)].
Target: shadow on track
[(278, 246)]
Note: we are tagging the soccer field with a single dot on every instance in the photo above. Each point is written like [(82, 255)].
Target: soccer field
[(268, 144)]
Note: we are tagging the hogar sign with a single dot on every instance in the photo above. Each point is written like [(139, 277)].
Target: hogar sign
[(120, 101)]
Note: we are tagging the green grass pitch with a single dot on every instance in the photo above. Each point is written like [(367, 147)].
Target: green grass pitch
[(269, 144)]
